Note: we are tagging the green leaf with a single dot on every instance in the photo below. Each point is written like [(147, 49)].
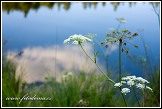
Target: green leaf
[(102, 43), (125, 31), (136, 46), (135, 34)]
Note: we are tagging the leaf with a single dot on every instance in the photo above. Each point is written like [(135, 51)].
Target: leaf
[(125, 31), (135, 34), (122, 49), (136, 46), (102, 43)]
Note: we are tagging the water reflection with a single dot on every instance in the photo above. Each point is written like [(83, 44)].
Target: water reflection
[(25, 7), (39, 30), (39, 62)]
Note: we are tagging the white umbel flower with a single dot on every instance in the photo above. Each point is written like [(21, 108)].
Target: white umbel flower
[(81, 101), (67, 40), (128, 78), (77, 39), (140, 86), (123, 82), (130, 83), (140, 79), (147, 87), (67, 76), (125, 90), (75, 42), (117, 85)]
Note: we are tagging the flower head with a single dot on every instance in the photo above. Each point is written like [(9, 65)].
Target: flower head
[(130, 83), (137, 82), (140, 79), (128, 78), (77, 39), (83, 103), (147, 87), (140, 86), (123, 82), (67, 76), (117, 85), (125, 90)]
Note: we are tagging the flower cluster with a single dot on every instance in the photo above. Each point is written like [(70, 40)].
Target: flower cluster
[(120, 36), (121, 20), (82, 103), (130, 81), (77, 39), (67, 76), (125, 90)]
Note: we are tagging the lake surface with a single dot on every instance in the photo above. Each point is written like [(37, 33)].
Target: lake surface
[(40, 34)]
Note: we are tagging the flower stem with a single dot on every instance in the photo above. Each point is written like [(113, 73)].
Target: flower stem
[(143, 97), (123, 97), (136, 96), (103, 72), (120, 44), (97, 65)]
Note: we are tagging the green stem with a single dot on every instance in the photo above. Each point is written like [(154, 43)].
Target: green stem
[(97, 65), (103, 72), (118, 26), (143, 97), (120, 45), (107, 65), (123, 97), (107, 69), (147, 56), (136, 96)]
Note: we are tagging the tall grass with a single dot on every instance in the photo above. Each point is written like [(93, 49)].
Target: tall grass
[(10, 85), (87, 87), (90, 88)]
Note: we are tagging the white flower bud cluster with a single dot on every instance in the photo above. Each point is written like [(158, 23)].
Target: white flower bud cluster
[(77, 39), (130, 81)]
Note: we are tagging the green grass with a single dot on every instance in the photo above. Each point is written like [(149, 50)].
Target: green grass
[(89, 88), (153, 99), (10, 86), (92, 88)]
